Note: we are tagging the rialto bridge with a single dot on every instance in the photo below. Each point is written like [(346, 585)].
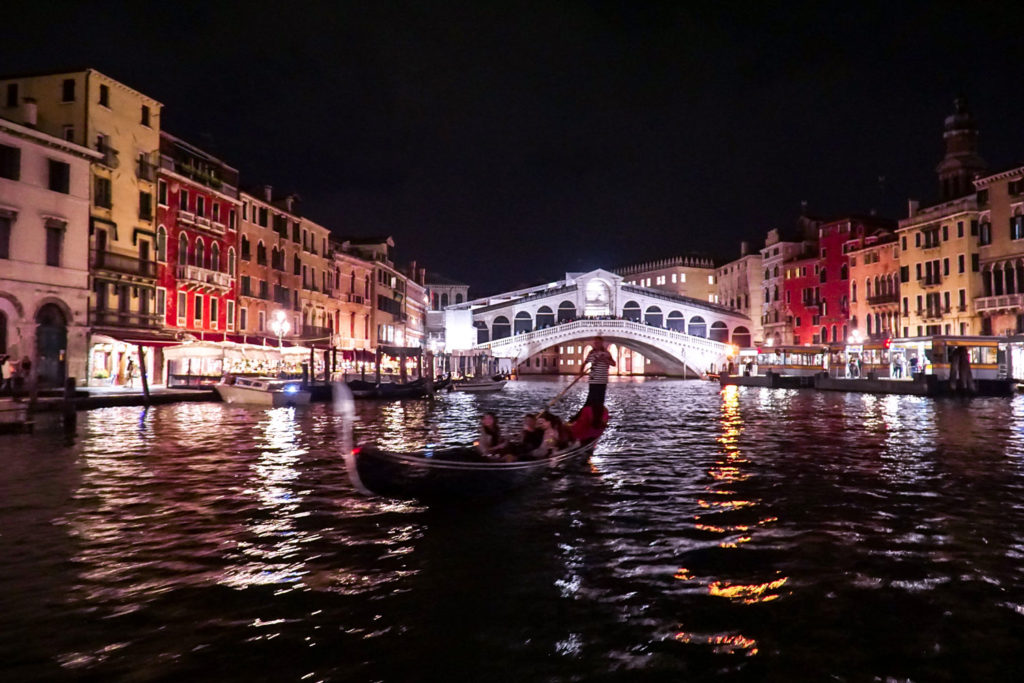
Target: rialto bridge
[(684, 335)]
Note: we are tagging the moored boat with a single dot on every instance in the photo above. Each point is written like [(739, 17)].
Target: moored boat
[(479, 385), (264, 391), (450, 473), (388, 390)]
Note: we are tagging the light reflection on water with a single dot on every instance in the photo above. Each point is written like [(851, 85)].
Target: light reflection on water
[(745, 531)]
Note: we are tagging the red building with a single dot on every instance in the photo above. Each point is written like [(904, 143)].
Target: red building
[(197, 233), (818, 287)]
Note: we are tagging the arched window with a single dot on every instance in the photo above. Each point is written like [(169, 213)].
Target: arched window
[(3, 332), (231, 261), (631, 311), (868, 323), (566, 311), (444, 300), (676, 321), (719, 332), (844, 272), (366, 289), (835, 336), (200, 253), (867, 287), (741, 337), (500, 328), (523, 322), (458, 298), (182, 250), (853, 291), (161, 244), (653, 316), (261, 253), (482, 336), (545, 317), (214, 257), (246, 255), (296, 264), (697, 327)]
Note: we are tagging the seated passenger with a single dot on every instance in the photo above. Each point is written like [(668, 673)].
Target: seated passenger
[(530, 438), (490, 444), (556, 435)]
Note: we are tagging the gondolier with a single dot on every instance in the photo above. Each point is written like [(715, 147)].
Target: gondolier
[(600, 360)]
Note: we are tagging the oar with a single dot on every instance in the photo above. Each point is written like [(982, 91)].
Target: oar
[(562, 393)]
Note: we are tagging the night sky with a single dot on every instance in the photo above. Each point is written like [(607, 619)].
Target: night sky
[(506, 143)]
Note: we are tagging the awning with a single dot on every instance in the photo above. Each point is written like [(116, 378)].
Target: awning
[(137, 337)]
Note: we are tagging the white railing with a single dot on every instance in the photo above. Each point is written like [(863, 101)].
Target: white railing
[(1001, 302), (634, 330), (204, 276)]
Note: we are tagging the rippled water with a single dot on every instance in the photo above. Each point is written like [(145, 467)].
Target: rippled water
[(753, 534)]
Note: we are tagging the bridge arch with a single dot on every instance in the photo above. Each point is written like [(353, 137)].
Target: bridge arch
[(631, 311), (653, 316), (523, 323), (500, 328), (697, 327), (566, 311), (545, 317), (719, 332), (676, 321)]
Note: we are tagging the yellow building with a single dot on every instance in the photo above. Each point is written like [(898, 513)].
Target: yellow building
[(1000, 303), (682, 276), (123, 125), (739, 288)]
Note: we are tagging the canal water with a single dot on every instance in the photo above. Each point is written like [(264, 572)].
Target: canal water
[(746, 534)]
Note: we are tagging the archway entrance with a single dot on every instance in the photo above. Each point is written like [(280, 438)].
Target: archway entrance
[(51, 345)]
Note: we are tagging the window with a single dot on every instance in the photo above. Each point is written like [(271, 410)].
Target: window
[(183, 200), (67, 90), (263, 216), (6, 220), (213, 312), (161, 302), (231, 261), (182, 307), (145, 206), (243, 318), (974, 263), (231, 219), (960, 263), (60, 176), (54, 241), (246, 249), (962, 299), (231, 316), (10, 162), (215, 208), (198, 311), (12, 101), (945, 266), (200, 255), (68, 133), (200, 205), (917, 239), (262, 321), (985, 234), (959, 228), (1016, 227), (161, 193), (903, 241), (145, 116), (105, 95), (945, 233)]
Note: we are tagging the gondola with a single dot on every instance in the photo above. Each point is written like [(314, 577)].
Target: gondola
[(387, 390), (449, 474)]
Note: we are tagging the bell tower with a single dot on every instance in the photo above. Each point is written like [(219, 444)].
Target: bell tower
[(961, 164)]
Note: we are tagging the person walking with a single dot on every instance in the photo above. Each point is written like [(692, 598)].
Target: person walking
[(600, 360), (129, 374)]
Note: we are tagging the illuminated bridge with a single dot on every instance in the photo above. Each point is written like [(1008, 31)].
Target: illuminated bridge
[(684, 335)]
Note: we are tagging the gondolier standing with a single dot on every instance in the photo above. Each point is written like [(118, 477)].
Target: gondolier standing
[(600, 360)]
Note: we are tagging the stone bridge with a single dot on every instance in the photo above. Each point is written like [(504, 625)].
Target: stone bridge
[(679, 331)]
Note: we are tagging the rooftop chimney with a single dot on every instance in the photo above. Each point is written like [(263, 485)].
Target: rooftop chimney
[(30, 112), (744, 248), (268, 193), (912, 206)]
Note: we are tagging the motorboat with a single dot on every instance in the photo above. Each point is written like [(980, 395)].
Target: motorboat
[(265, 391), (480, 385)]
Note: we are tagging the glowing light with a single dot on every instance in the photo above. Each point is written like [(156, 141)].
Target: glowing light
[(747, 593)]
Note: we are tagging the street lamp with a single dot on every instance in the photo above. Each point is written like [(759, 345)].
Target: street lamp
[(280, 326)]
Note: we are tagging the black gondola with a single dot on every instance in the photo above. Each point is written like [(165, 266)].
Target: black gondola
[(448, 474), (388, 390)]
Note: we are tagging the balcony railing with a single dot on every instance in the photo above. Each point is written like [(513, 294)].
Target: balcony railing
[(200, 222), (886, 298), (932, 313), (126, 265), (1003, 302), (929, 280), (204, 276), (109, 159), (315, 332), (112, 317), (145, 170)]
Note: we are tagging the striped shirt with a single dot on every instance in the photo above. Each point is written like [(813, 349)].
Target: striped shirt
[(599, 361)]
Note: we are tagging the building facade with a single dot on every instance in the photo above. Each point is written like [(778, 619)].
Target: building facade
[(779, 249), (682, 276), (739, 288), (196, 241), (352, 296), (1000, 303), (44, 251), (875, 288)]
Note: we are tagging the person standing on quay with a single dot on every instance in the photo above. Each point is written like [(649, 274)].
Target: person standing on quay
[(600, 360)]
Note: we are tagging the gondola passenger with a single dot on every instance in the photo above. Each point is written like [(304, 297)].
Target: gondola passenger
[(556, 435), (490, 444)]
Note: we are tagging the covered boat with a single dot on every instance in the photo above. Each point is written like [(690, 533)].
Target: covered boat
[(451, 473), (264, 391)]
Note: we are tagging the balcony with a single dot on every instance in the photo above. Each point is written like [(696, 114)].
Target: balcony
[(932, 313), (123, 265), (352, 298), (145, 170), (201, 222), (886, 298), (315, 332), (929, 280), (811, 303), (1003, 302), (109, 159), (204, 277), (114, 318)]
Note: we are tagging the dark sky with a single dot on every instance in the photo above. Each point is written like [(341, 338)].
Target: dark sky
[(505, 143)]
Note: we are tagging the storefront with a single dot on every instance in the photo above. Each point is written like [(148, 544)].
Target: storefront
[(987, 356), (204, 363), (114, 358)]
